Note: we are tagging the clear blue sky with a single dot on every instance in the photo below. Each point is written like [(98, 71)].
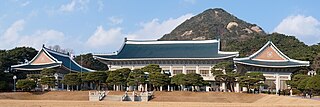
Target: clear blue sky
[(99, 26)]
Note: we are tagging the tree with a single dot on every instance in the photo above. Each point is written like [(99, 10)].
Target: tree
[(47, 77), (194, 79), (97, 78), (3, 85), (118, 77), (15, 56), (71, 79), (158, 79), (223, 73), (151, 68), (179, 80), (26, 84), (50, 81), (136, 77), (87, 60), (48, 72), (296, 80), (313, 84), (222, 68), (252, 79), (5, 81), (302, 85)]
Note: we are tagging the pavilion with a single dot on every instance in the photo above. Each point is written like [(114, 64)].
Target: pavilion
[(173, 57), (275, 66), (50, 59)]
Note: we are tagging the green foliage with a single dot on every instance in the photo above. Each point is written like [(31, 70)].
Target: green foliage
[(88, 61), (251, 79), (5, 80), (194, 79), (3, 85), (48, 72), (118, 77), (26, 84), (158, 79), (302, 85), (151, 68), (83, 76), (318, 71), (71, 79), (97, 77), (296, 80), (15, 56), (136, 77), (219, 67), (191, 79), (48, 80), (314, 84), (179, 79)]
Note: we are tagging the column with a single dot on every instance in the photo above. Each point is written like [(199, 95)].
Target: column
[(237, 88), (277, 83), (146, 87), (210, 74), (184, 69), (197, 69), (62, 86), (171, 70), (223, 87)]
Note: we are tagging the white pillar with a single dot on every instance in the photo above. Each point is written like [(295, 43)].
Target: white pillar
[(146, 87), (197, 69), (277, 83), (160, 88), (171, 70), (184, 69), (168, 87), (140, 87), (62, 86), (223, 87), (237, 88)]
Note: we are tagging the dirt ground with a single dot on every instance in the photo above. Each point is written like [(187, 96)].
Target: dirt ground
[(162, 99), (53, 95), (213, 97)]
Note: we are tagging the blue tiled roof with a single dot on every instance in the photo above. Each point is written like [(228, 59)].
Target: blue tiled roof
[(60, 60), (35, 67), (287, 62), (168, 50), (272, 64), (67, 61)]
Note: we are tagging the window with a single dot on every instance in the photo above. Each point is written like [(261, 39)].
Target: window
[(177, 72), (204, 72), (191, 71)]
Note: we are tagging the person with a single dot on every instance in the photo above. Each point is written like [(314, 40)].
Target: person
[(269, 91), (310, 94), (279, 92)]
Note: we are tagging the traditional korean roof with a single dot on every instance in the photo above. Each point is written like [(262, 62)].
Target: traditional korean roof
[(270, 56), (47, 58), (161, 50)]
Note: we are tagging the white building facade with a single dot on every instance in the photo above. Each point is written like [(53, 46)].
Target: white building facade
[(173, 57)]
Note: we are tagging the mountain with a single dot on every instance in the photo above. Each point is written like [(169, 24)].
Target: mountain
[(238, 35), (213, 24)]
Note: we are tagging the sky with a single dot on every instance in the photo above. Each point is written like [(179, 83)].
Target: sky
[(100, 26)]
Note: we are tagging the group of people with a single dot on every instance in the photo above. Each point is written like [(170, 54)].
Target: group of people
[(306, 94)]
